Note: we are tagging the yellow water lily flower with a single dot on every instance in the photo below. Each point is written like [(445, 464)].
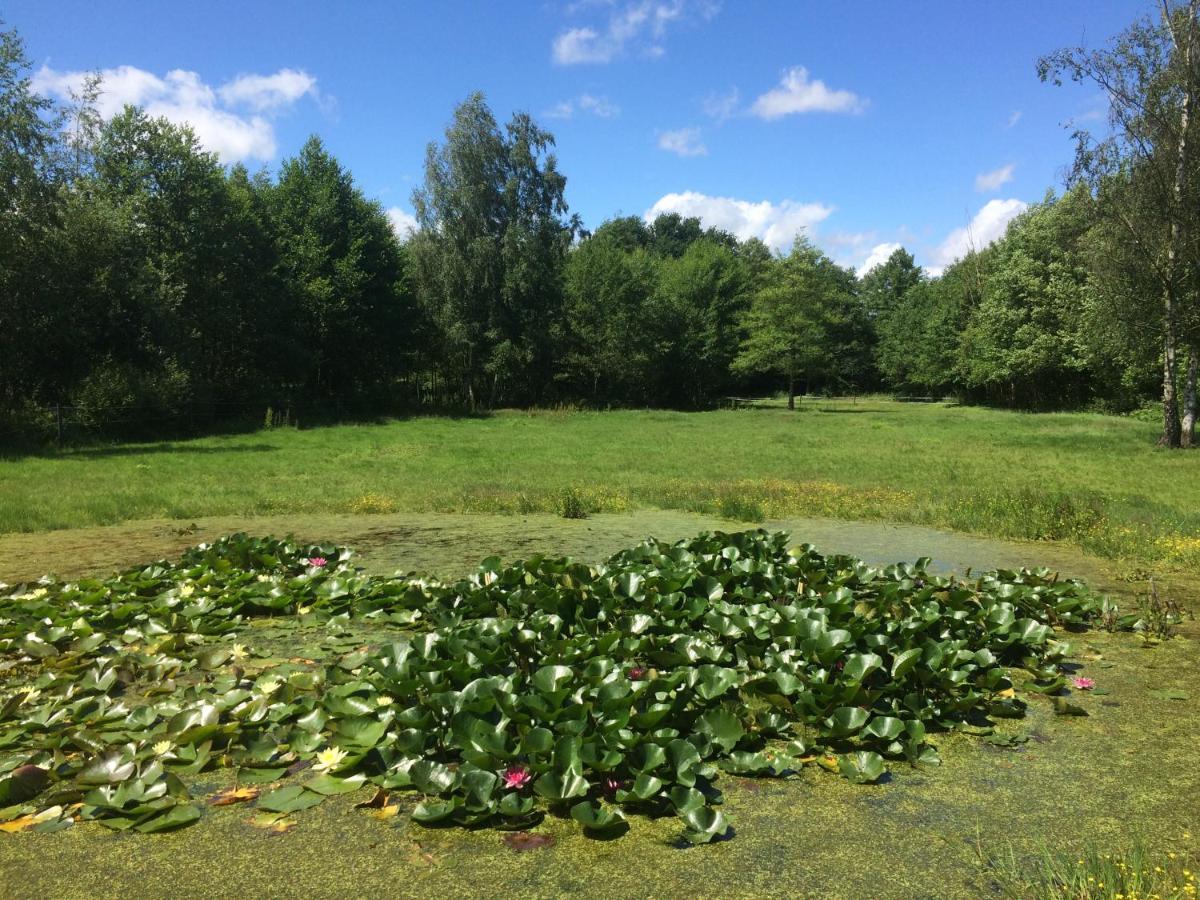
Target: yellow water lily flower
[(384, 700), (162, 748), (239, 651), (270, 685), (187, 590), (329, 759)]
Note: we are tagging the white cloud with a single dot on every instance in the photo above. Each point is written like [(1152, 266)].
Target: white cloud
[(563, 109), (995, 179), (265, 92), (642, 23), (682, 141), (988, 225), (798, 94), (182, 97), (879, 254), (1015, 117), (776, 224), (403, 223), (722, 106), (601, 107), (598, 106)]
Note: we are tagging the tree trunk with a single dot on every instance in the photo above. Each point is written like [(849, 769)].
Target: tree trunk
[(1171, 425), (1172, 428), (1188, 426), (791, 391)]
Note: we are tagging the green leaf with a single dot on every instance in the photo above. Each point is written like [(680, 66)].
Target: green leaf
[(863, 767), (704, 824), (177, 816), (598, 818), (291, 798)]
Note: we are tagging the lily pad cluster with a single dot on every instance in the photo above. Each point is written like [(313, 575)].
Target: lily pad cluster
[(545, 685)]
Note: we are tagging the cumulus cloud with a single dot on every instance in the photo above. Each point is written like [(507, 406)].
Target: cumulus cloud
[(403, 223), (683, 142), (638, 24), (797, 93), (182, 97), (879, 254), (988, 225), (776, 224), (267, 92), (995, 179)]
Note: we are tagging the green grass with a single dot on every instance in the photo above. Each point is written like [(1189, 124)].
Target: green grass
[(1095, 481)]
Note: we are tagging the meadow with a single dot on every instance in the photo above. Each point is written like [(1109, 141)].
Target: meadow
[(1096, 482)]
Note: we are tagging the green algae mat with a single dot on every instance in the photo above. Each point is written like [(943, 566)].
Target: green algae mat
[(729, 710)]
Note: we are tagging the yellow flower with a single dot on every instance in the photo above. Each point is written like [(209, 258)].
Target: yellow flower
[(270, 685), (329, 759), (187, 590), (162, 748), (239, 651), (384, 700), (303, 610)]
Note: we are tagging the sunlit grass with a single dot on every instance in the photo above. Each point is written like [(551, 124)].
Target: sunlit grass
[(1097, 482)]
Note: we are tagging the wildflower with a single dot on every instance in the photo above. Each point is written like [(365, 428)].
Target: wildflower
[(239, 651), (637, 673), (317, 562), (187, 590), (329, 759), (162, 748), (1083, 684), (516, 777)]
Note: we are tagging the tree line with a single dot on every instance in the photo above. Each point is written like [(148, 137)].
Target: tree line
[(145, 285)]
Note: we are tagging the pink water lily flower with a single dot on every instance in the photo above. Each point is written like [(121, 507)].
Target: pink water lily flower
[(1083, 684), (516, 777), (317, 561), (637, 673), (612, 785)]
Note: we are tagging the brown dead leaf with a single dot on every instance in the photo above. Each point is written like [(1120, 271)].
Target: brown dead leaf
[(273, 823), (379, 801), (233, 795), (18, 824)]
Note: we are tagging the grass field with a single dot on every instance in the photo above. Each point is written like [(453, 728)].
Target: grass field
[(1097, 482)]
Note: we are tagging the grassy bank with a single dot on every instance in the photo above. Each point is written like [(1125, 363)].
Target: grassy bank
[(1095, 481)]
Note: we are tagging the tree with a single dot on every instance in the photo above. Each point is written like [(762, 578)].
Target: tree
[(345, 271), (786, 323), (1151, 76), (1022, 345), (490, 253), (29, 211)]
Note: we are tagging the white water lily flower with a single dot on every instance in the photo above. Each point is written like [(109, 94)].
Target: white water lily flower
[(270, 686), (39, 593), (187, 590), (329, 759), (263, 578), (162, 748), (239, 651), (384, 700)]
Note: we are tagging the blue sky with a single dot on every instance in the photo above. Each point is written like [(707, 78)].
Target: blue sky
[(870, 124)]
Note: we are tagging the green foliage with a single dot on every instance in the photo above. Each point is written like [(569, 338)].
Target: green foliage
[(599, 690)]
